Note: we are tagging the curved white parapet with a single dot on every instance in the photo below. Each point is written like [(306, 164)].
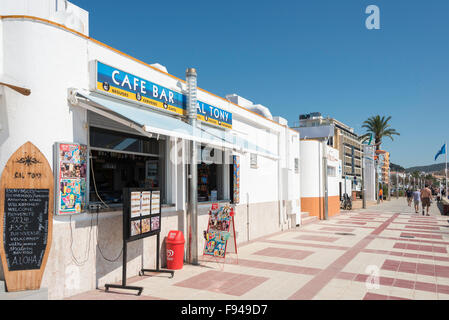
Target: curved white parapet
[(59, 11)]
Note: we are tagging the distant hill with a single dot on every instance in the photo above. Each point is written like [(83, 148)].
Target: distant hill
[(430, 168), (396, 167)]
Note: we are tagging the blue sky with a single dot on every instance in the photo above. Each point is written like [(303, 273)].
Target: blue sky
[(303, 56)]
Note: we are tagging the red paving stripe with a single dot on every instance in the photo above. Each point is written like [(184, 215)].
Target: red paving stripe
[(402, 283), (284, 253), (351, 222), (407, 255), (317, 231), (421, 227), (364, 219), (311, 288), (352, 226), (399, 283), (414, 222), (275, 266), (413, 240), (420, 217), (317, 238), (375, 296), (418, 247), (419, 268), (337, 229), (437, 233), (423, 222), (305, 244), (100, 294), (346, 275), (424, 286), (223, 282), (422, 235)]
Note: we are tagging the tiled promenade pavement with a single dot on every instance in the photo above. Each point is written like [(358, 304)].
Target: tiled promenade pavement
[(383, 252)]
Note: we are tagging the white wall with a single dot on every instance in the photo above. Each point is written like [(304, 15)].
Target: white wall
[(311, 170), (49, 60), (59, 11), (333, 182)]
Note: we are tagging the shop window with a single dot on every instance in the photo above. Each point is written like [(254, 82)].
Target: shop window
[(121, 160), (253, 160), (118, 141), (213, 175), (331, 171)]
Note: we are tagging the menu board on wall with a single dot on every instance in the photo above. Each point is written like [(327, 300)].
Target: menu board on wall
[(71, 176), (141, 213), (26, 217), (26, 223)]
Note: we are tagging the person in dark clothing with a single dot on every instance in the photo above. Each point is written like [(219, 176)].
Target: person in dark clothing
[(409, 195)]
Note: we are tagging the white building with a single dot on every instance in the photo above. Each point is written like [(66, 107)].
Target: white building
[(312, 178), (134, 129)]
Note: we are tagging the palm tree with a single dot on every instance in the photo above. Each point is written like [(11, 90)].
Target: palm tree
[(379, 128)]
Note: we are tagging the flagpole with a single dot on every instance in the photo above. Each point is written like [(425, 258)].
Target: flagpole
[(445, 147)]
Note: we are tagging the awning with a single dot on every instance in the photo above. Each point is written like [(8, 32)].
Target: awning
[(149, 122), (240, 142)]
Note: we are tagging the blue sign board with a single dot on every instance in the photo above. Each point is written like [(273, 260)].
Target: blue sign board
[(118, 83)]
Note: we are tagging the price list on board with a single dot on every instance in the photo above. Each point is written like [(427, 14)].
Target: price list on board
[(25, 227)]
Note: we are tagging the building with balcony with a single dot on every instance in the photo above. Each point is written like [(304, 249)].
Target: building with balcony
[(314, 126)]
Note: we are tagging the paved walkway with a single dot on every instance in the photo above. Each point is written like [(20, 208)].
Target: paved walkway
[(382, 252)]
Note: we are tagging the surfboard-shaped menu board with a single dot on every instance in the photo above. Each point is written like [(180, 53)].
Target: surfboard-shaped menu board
[(26, 218)]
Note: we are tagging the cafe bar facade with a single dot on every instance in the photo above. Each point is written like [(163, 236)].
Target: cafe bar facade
[(106, 121)]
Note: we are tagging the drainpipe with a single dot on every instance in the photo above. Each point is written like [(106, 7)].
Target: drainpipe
[(247, 215), (377, 181), (192, 212), (281, 207), (363, 181)]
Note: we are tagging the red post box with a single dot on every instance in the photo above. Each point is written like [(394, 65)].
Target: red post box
[(175, 250)]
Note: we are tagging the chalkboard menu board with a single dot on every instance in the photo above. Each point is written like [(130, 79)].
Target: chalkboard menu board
[(25, 227), (26, 217)]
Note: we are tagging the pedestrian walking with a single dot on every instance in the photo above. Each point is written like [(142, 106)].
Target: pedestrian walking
[(416, 199), (426, 196), (409, 195), (381, 195)]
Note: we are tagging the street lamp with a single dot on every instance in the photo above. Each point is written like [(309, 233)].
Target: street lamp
[(363, 182), (192, 221)]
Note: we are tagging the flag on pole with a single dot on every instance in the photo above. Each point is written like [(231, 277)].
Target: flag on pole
[(442, 151)]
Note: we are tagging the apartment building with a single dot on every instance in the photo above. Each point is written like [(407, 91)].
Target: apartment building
[(341, 137)]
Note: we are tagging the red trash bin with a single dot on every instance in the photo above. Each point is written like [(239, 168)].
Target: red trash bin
[(175, 250)]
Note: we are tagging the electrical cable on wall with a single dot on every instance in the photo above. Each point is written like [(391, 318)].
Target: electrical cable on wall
[(74, 259), (101, 200)]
